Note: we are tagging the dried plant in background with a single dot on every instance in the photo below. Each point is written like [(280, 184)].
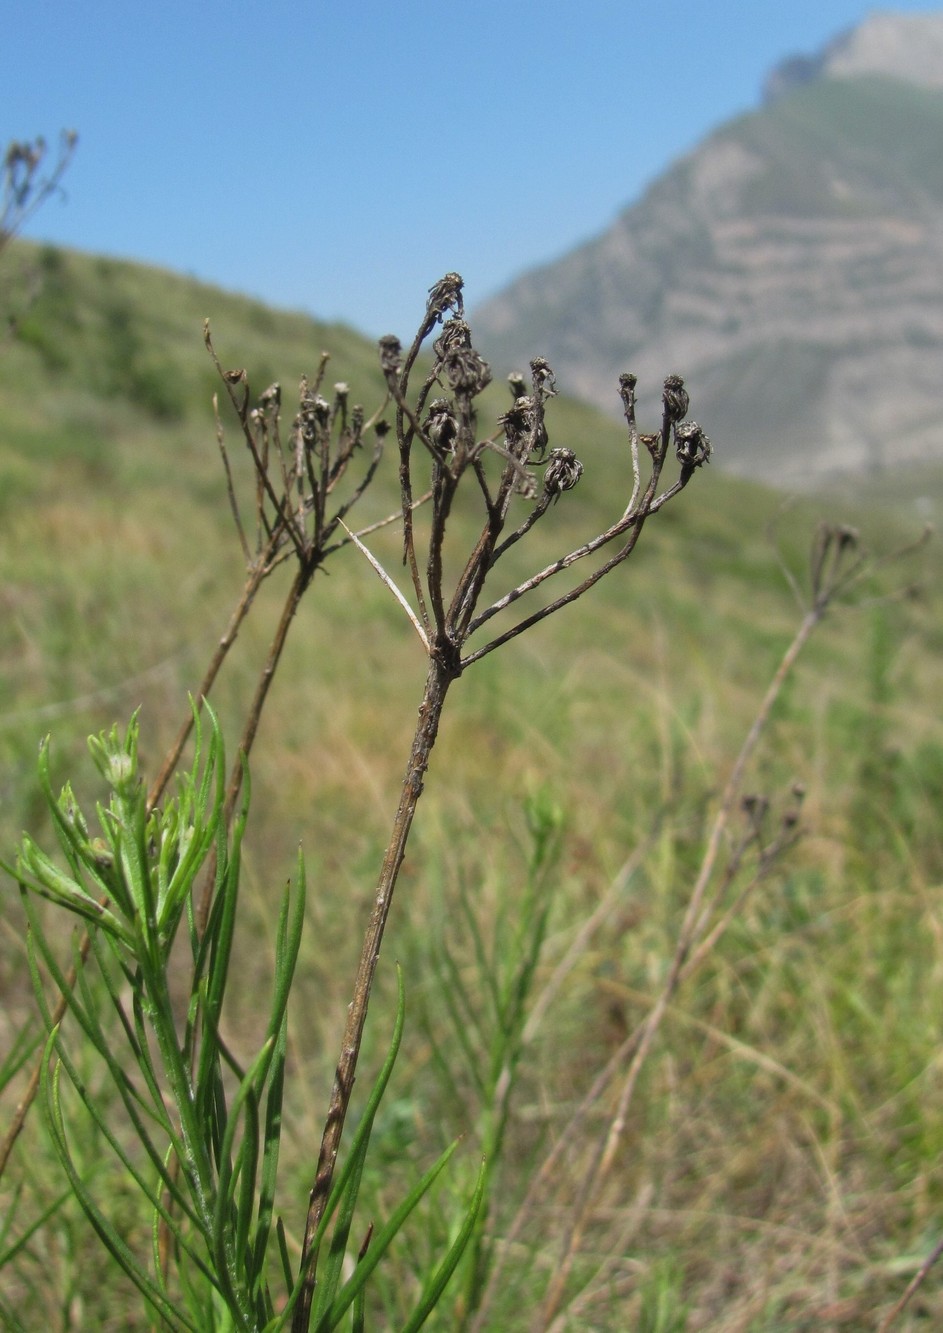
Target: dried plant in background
[(23, 187)]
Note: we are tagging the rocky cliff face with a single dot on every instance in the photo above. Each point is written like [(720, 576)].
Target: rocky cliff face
[(791, 268), (898, 46)]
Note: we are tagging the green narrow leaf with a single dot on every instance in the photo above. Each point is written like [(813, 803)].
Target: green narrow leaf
[(109, 1236), (8, 1254), (348, 1180), (486, 968), (331, 1271), (440, 1279), (227, 887), (270, 1152), (287, 944), (232, 1220), (102, 1119), (283, 1254), (362, 1133), (461, 1026), (200, 812), (382, 1241), (25, 1043), (358, 1314), (73, 840)]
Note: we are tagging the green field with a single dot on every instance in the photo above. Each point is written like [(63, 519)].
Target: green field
[(779, 1164)]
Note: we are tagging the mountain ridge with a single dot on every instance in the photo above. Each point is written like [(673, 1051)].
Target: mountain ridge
[(901, 46), (790, 267)]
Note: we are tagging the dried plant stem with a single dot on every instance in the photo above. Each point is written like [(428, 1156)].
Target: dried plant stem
[(580, 943), (694, 923), (299, 584), (915, 1283), (438, 680), (240, 611), (18, 1119)]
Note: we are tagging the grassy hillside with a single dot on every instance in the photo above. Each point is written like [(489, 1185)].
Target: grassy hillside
[(781, 1163)]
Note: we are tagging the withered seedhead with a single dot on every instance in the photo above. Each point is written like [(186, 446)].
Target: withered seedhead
[(441, 426), (627, 383), (692, 446), (519, 418), (390, 352), (465, 371), (444, 295), (523, 426), (542, 377), (564, 470), (320, 409), (675, 398), (455, 334)]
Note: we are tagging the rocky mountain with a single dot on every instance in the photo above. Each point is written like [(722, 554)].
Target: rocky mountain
[(791, 268), (907, 47)]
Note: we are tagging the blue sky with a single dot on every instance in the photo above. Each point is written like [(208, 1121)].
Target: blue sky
[(339, 157)]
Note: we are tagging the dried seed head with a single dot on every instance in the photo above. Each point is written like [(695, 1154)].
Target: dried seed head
[(306, 426), (542, 377), (519, 418), (314, 413), (692, 446), (455, 334), (523, 427), (466, 371), (272, 397), (444, 295), (341, 392), (675, 398), (390, 351), (441, 426), (516, 385), (356, 419), (564, 470), (627, 383), (754, 805)]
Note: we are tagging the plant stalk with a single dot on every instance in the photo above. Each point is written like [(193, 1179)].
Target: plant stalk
[(442, 671)]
